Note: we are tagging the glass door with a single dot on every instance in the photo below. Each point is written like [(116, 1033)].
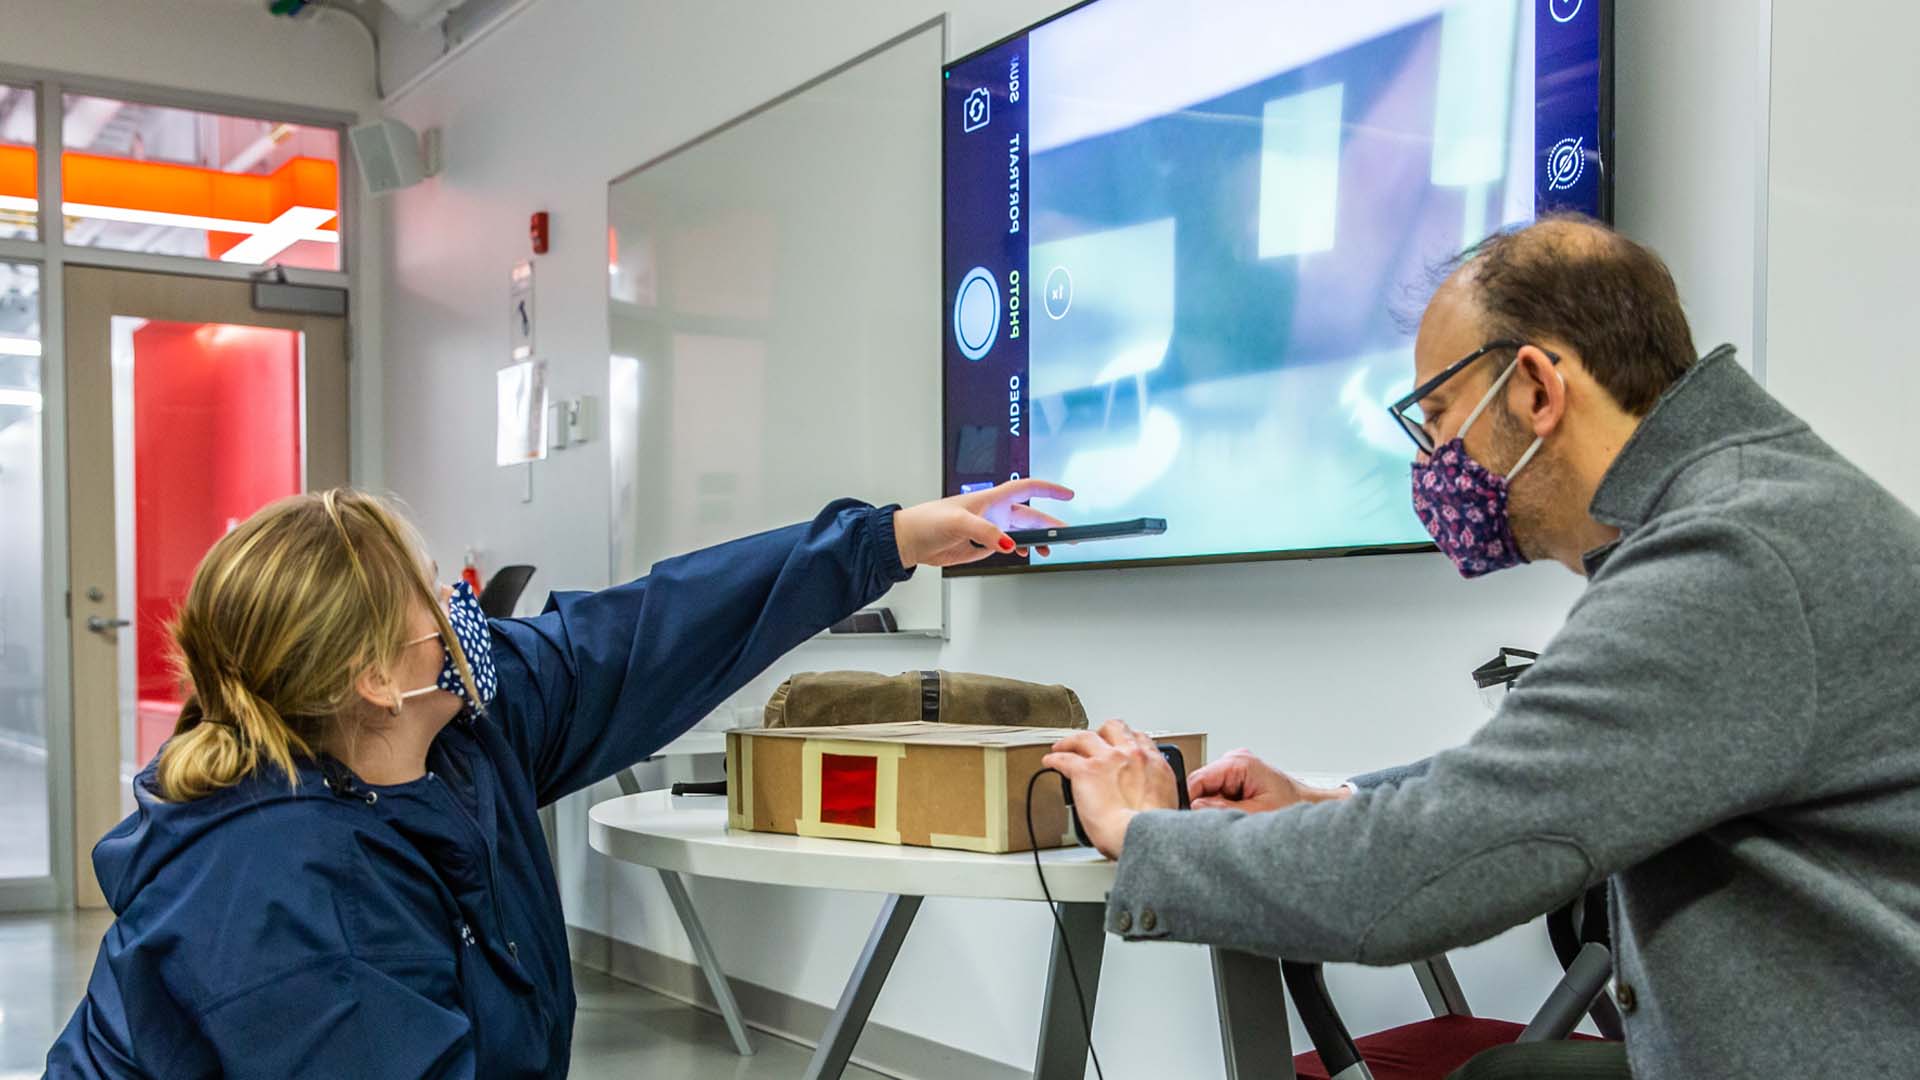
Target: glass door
[(187, 411), (26, 839)]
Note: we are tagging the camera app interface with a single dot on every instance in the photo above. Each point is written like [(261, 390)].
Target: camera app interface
[(1182, 243)]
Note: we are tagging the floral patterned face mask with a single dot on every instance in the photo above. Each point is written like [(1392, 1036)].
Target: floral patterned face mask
[(1463, 503)]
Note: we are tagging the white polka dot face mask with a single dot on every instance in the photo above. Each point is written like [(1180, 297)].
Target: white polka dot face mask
[(470, 629)]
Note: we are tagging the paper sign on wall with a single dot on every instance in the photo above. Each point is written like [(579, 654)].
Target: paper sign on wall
[(521, 413)]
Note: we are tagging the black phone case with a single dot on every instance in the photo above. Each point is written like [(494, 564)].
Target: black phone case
[(1137, 527), (1174, 758)]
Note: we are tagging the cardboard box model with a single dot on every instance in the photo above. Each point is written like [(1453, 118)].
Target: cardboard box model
[(931, 785)]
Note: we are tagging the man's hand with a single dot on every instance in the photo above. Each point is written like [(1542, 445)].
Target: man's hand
[(1115, 773), (968, 528), (1240, 781)]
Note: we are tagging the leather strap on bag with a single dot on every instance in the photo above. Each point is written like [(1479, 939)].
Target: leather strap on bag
[(930, 696)]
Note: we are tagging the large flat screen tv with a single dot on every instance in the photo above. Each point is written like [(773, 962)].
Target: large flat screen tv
[(1183, 238)]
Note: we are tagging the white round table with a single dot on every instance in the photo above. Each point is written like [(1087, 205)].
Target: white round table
[(689, 835)]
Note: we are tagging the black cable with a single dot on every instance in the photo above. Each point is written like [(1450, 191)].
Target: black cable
[(1060, 927)]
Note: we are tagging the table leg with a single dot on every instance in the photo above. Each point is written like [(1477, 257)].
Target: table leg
[(1063, 1033), (1253, 1015), (708, 960), (696, 931), (863, 987)]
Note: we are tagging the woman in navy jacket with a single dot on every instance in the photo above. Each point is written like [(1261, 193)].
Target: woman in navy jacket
[(335, 867)]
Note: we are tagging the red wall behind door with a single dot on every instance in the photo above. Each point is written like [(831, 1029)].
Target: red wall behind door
[(216, 433)]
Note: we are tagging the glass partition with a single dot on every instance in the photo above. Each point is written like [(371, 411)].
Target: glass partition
[(24, 843), (153, 178), (19, 163)]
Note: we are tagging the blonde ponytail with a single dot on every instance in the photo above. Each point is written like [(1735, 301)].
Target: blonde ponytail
[(207, 755), (284, 614)]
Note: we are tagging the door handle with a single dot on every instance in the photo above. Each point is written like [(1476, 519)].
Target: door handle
[(100, 625)]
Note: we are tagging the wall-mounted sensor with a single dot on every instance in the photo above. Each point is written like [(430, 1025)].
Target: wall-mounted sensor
[(570, 422)]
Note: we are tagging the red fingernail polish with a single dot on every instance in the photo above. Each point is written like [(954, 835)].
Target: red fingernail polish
[(1006, 543)]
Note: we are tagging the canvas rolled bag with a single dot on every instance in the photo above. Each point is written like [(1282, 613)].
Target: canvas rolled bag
[(842, 698)]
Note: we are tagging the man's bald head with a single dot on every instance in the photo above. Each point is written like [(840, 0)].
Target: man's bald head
[(1571, 279)]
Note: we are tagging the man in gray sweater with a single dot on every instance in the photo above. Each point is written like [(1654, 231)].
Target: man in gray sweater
[(1726, 730)]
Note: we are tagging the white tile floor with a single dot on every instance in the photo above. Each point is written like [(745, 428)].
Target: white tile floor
[(622, 1030)]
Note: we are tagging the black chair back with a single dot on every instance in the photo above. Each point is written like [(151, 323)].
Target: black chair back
[(1581, 922), (503, 591)]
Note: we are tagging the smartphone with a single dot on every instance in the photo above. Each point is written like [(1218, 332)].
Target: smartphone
[(1182, 797), (1074, 534)]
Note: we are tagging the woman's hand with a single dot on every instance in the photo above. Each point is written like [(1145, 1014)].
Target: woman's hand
[(967, 528), (1240, 781), (1116, 773)]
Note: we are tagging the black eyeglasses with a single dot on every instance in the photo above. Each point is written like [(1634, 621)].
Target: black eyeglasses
[(1402, 410), (1503, 669), (1496, 677)]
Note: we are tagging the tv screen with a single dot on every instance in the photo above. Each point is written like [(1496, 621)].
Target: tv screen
[(1183, 240)]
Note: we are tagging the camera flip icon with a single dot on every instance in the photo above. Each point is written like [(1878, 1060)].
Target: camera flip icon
[(977, 110)]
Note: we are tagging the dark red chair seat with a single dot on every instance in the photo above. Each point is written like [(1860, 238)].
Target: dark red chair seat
[(1423, 1050)]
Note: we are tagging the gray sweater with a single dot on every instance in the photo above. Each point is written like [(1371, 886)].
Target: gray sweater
[(1725, 728)]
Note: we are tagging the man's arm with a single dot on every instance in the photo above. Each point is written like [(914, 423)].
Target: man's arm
[(1399, 774), (1689, 655)]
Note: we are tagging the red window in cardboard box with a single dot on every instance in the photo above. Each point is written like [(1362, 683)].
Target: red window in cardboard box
[(848, 789)]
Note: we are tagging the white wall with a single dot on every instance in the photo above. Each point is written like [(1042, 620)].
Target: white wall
[(1691, 117), (211, 46), (1325, 666), (1844, 229)]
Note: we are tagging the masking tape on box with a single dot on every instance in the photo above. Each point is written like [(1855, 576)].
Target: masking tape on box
[(994, 759), (886, 793), (740, 781)]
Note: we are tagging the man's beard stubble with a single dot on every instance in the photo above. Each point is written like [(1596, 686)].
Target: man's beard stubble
[(1528, 512)]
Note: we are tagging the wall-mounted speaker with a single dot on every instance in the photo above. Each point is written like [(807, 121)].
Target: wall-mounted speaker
[(392, 156)]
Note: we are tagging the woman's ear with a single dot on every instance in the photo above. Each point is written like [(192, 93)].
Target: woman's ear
[(377, 688), (1541, 389)]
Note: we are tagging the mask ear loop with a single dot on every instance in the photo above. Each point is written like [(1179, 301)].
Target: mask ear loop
[(1488, 400), (400, 702)]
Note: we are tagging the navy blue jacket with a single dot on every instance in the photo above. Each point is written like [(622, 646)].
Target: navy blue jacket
[(338, 929)]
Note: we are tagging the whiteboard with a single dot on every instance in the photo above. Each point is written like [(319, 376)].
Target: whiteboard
[(773, 299)]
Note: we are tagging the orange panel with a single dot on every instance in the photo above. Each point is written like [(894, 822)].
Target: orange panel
[(165, 188), (219, 243), (19, 171)]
